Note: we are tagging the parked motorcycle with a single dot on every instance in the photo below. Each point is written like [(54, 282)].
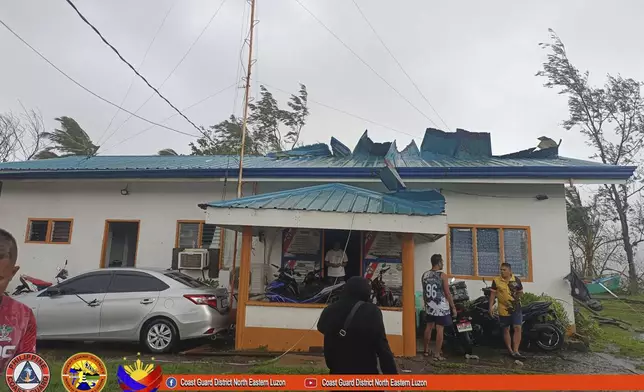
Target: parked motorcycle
[(286, 288), (540, 325), (29, 284), (461, 331), (382, 295)]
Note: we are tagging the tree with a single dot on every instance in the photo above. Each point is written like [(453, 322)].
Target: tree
[(70, 140), (611, 118), (21, 136), (167, 152), (224, 139), (593, 241), (264, 129)]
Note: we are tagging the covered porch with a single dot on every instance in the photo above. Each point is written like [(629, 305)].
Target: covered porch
[(383, 230)]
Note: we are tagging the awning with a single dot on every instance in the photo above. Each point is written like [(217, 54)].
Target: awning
[(335, 206)]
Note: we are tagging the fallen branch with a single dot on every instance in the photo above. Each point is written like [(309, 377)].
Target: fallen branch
[(578, 302)]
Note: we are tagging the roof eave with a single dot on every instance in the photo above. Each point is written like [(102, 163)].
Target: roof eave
[(590, 172)]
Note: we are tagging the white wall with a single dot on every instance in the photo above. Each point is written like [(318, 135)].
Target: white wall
[(306, 318), (513, 205), (158, 205)]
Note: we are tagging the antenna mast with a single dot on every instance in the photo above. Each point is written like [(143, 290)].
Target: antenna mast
[(243, 140), (246, 99)]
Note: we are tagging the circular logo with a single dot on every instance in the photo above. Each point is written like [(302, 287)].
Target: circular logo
[(84, 372), (27, 372), (171, 382)]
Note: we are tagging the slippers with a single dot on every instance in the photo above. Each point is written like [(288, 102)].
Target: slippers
[(438, 358), (426, 354)]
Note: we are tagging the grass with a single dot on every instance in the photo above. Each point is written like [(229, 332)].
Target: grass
[(612, 338), (56, 385)]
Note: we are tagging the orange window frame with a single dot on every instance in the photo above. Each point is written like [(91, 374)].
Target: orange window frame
[(50, 225), (501, 229), (200, 237)]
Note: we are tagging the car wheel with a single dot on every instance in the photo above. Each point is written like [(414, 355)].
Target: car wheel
[(159, 336)]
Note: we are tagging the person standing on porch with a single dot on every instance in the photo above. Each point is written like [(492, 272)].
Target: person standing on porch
[(508, 289), (438, 304), (336, 259)]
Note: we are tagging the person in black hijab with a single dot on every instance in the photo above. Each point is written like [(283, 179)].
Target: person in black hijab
[(365, 342)]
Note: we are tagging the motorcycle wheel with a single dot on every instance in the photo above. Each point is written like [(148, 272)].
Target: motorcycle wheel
[(465, 339), (549, 337)]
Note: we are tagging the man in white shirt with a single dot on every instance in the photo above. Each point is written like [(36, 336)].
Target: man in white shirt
[(336, 259)]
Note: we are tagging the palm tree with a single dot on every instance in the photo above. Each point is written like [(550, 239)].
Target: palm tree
[(69, 140), (167, 152)]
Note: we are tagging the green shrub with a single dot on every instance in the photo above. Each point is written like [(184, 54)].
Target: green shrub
[(560, 312), (587, 327), (214, 283)]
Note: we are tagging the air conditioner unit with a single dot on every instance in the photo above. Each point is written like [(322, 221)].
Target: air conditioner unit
[(193, 259)]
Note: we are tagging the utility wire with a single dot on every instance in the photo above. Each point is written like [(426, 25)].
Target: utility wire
[(131, 67), (341, 111), (90, 91), (398, 62), (174, 115), (145, 56), (365, 63), (175, 67)]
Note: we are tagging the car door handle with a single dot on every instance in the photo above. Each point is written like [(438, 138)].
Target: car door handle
[(147, 301), (94, 303)]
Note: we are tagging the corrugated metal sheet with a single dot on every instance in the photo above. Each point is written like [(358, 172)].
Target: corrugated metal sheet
[(254, 162), (343, 198)]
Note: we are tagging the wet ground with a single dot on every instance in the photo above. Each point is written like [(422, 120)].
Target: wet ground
[(491, 361)]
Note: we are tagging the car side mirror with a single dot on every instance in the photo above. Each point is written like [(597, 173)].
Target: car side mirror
[(53, 291)]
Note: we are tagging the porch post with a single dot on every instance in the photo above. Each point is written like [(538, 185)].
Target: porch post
[(408, 296), (244, 284)]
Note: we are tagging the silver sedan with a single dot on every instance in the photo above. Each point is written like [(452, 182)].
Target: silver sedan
[(157, 308)]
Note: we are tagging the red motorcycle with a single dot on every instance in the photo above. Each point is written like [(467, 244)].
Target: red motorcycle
[(29, 284)]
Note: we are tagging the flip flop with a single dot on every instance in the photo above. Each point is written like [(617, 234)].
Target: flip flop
[(439, 358), (426, 354)]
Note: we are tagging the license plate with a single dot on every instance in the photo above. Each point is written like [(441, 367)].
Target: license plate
[(464, 327)]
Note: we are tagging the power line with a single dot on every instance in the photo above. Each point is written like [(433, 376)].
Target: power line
[(88, 90), (365, 63), (145, 56), (130, 65), (174, 115), (175, 67), (342, 111), (398, 62)]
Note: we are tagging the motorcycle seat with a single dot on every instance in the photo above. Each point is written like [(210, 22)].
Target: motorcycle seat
[(37, 282), (536, 307)]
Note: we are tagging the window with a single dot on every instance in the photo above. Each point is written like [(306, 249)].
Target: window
[(479, 251), (197, 234), (135, 283), (186, 280), (49, 231), (93, 283)]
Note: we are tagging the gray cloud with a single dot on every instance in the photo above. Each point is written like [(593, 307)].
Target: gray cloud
[(474, 60)]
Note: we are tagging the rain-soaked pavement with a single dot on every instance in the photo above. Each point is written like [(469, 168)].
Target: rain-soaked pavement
[(491, 360)]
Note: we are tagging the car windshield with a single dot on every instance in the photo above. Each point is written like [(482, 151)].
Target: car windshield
[(186, 280)]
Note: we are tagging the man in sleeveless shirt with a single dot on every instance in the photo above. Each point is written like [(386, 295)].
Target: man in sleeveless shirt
[(438, 304), (17, 321)]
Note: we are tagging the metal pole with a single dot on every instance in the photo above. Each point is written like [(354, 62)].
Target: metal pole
[(243, 138)]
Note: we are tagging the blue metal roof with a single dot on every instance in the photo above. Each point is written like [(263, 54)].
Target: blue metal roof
[(336, 197), (308, 167), (442, 155)]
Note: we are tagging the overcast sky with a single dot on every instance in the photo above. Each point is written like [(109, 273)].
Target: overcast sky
[(475, 62)]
